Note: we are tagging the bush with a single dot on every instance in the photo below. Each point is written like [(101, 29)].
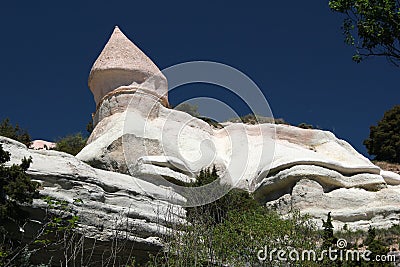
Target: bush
[(15, 186), (231, 231), (384, 138), (257, 119), (14, 132), (90, 127), (304, 125), (71, 144), (236, 240), (215, 212)]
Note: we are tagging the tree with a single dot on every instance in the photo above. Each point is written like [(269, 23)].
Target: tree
[(16, 187), (328, 237), (71, 144), (14, 132), (384, 138), (377, 27), (376, 247)]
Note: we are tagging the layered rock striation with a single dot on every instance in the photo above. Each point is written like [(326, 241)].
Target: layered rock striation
[(137, 134)]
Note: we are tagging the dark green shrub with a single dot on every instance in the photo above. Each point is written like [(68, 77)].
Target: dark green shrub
[(231, 231), (14, 132), (304, 125), (16, 186), (71, 144), (90, 127), (216, 211), (384, 138), (327, 235)]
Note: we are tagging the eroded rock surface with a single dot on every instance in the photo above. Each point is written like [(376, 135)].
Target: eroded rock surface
[(112, 205), (137, 134)]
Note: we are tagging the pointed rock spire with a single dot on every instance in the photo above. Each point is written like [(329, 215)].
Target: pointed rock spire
[(122, 63)]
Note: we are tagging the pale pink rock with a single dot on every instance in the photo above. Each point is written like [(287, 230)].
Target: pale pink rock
[(41, 144), (123, 66)]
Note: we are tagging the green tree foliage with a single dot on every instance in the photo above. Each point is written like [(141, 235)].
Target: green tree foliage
[(384, 138), (217, 211), (230, 232), (71, 144), (371, 26), (237, 239), (16, 186), (376, 247), (14, 132), (327, 235)]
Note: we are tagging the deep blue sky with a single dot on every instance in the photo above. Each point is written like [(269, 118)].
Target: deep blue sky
[(293, 50)]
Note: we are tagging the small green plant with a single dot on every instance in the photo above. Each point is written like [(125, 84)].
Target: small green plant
[(62, 220)]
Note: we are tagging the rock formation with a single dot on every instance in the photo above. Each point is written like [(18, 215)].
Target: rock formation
[(140, 145), (304, 159), (112, 206), (122, 68), (310, 169), (41, 144)]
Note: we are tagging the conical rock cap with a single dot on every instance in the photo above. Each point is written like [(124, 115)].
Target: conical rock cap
[(123, 64)]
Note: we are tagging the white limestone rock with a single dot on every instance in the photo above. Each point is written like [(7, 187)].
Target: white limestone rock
[(164, 132), (391, 178), (300, 154), (136, 133), (276, 185), (110, 201), (355, 207)]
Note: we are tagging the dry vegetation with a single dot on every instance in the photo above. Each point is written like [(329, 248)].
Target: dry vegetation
[(387, 166)]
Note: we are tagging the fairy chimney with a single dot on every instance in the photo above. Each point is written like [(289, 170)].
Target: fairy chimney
[(123, 67)]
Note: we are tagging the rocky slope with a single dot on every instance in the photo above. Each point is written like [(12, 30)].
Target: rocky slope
[(111, 206)]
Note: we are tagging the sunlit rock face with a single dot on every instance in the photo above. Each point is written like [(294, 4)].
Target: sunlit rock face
[(112, 207), (283, 166)]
